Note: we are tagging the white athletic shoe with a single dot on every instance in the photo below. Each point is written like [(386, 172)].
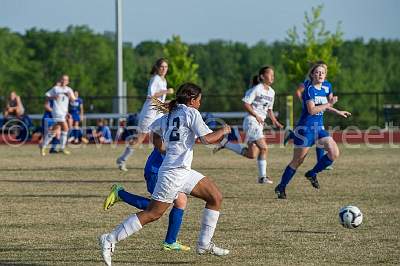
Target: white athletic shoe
[(121, 165), (265, 180), (107, 249), (212, 249), (220, 146)]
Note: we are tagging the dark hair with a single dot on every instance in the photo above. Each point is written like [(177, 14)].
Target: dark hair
[(157, 65), (257, 78), (254, 81), (184, 94), (312, 69)]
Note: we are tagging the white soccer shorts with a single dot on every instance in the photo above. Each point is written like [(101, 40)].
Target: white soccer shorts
[(253, 129), (171, 182)]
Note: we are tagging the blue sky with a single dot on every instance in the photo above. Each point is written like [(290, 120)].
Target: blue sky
[(247, 21)]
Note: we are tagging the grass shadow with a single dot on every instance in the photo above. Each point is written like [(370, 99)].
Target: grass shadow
[(308, 232)]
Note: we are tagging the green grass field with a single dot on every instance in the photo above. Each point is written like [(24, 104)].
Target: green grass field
[(51, 210)]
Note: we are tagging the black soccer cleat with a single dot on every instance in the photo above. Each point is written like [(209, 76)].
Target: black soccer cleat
[(313, 179), (280, 192)]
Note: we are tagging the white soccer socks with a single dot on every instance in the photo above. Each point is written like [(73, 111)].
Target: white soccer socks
[(262, 168), (128, 227), (107, 241), (63, 139), (127, 153), (49, 136), (208, 225)]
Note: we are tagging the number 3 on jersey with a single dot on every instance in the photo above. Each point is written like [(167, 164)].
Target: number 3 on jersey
[(174, 136)]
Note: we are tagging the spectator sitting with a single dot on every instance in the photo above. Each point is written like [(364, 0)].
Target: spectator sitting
[(14, 106), (102, 134)]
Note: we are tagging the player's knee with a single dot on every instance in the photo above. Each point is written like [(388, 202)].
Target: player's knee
[(263, 150), (216, 198), (296, 162), (154, 215), (334, 154), (180, 202)]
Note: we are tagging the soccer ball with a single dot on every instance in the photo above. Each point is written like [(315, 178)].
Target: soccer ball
[(350, 217)]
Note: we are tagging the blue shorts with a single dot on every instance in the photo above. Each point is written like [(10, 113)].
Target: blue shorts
[(76, 117), (151, 180), (306, 137)]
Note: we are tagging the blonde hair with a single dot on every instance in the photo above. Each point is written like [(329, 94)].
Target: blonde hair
[(159, 106)]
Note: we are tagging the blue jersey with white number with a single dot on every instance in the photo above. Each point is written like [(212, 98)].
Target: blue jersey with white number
[(75, 106), (153, 163), (319, 96)]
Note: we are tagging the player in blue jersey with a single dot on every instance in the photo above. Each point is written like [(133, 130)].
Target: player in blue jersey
[(75, 117), (118, 193), (320, 151), (310, 130)]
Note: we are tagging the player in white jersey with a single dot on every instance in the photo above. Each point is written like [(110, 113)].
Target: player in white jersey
[(258, 102), (61, 95), (179, 130), (157, 88)]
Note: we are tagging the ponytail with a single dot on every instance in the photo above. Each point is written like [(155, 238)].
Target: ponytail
[(184, 94), (254, 81), (258, 78)]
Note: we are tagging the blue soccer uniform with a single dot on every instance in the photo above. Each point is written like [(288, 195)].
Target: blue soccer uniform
[(75, 109), (311, 127)]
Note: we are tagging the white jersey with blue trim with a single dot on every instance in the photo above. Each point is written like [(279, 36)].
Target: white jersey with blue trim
[(179, 131), (260, 99), (61, 102)]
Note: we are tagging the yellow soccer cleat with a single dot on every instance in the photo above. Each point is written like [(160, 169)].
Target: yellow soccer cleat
[(66, 152), (177, 246), (113, 197), (43, 151)]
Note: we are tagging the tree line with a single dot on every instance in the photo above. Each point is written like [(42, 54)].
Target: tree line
[(31, 62)]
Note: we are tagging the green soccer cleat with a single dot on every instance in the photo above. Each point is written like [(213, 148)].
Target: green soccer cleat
[(175, 246), (113, 197)]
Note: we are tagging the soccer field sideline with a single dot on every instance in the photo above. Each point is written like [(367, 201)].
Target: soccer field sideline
[(53, 212)]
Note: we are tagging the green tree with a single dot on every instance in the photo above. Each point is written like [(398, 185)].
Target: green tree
[(316, 44), (182, 67)]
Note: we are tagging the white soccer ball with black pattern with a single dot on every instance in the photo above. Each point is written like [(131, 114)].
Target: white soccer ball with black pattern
[(350, 217)]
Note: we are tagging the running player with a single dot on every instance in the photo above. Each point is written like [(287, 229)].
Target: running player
[(327, 86), (179, 130), (258, 102), (118, 193), (310, 130), (157, 88), (61, 95)]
